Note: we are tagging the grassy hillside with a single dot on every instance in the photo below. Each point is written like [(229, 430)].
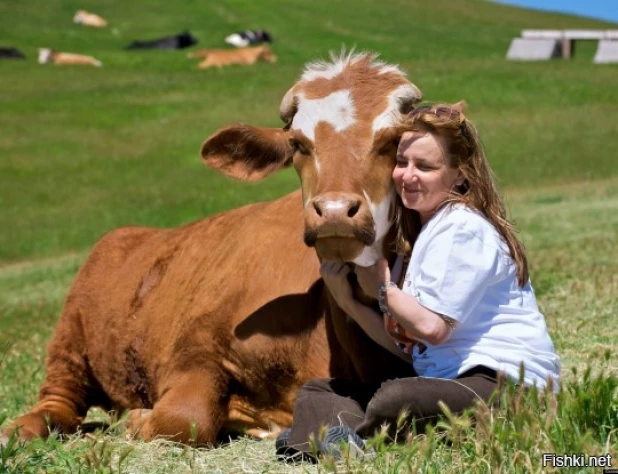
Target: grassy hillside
[(85, 150)]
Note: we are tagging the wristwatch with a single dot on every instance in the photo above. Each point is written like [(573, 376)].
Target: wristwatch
[(382, 295)]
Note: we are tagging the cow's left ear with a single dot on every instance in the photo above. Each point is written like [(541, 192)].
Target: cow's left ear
[(247, 153)]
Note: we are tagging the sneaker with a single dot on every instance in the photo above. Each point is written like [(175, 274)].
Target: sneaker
[(282, 440), (335, 436), (288, 454)]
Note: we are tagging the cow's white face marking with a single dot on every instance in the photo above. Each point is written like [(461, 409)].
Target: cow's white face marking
[(382, 222), (390, 116), (336, 109)]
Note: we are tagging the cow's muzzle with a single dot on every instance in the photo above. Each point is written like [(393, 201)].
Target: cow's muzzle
[(339, 226)]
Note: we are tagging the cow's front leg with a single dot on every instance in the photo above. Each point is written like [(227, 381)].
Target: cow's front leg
[(192, 409)]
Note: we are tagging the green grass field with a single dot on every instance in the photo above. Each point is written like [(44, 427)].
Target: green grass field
[(85, 150)]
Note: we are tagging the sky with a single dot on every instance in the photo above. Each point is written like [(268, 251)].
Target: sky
[(601, 9)]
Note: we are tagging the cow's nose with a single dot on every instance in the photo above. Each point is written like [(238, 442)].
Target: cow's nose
[(336, 208)]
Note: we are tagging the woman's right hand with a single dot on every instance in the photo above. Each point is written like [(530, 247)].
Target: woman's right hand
[(335, 275)]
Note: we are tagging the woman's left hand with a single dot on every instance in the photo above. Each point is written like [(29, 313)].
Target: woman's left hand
[(371, 278)]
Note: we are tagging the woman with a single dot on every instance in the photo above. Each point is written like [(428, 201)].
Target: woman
[(465, 313)]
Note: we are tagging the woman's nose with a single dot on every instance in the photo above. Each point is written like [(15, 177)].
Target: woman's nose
[(410, 175)]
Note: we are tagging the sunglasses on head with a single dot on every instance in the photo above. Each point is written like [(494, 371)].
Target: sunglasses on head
[(448, 113), (440, 111)]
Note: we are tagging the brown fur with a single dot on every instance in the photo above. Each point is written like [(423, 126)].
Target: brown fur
[(215, 324), (225, 57), (56, 57), (83, 17)]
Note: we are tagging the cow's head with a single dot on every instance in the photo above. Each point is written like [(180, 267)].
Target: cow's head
[(45, 55), (341, 137), (266, 54)]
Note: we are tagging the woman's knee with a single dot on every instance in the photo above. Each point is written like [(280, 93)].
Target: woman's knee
[(392, 405)]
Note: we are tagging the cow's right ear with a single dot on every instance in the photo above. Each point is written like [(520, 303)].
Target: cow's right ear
[(247, 153)]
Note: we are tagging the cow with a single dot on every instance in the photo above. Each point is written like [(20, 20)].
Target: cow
[(82, 17), (242, 39), (48, 56), (179, 41), (215, 325), (11, 53), (225, 57)]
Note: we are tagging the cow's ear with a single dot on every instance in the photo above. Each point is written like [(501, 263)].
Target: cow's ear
[(247, 153)]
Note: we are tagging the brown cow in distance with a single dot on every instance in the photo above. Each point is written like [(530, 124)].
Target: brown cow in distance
[(82, 17), (215, 325), (225, 57), (48, 56)]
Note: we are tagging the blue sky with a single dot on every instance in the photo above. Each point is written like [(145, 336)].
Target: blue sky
[(602, 9)]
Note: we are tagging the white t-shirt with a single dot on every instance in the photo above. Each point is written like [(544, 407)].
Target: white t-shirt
[(461, 268)]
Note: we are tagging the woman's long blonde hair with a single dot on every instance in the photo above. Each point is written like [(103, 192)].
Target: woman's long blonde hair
[(478, 191)]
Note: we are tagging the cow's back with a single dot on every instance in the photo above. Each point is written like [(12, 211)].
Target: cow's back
[(239, 289)]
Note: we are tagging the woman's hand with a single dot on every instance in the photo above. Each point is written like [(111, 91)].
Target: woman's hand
[(371, 278), (335, 275)]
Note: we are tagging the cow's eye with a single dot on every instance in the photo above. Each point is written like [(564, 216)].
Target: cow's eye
[(298, 146)]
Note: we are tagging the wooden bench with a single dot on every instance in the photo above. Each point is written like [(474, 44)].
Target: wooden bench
[(567, 37), (547, 44)]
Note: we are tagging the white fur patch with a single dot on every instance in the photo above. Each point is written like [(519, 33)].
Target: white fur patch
[(336, 109), (391, 115), (325, 70), (329, 70), (382, 223), (44, 55)]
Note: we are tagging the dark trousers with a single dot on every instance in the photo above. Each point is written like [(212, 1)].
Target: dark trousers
[(333, 402)]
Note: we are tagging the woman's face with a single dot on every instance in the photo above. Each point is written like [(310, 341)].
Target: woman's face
[(423, 176)]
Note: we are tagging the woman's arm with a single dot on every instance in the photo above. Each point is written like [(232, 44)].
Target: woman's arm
[(335, 278), (419, 321), (373, 324)]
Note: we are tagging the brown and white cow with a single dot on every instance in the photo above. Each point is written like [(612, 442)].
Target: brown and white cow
[(82, 17), (226, 57), (215, 325), (48, 56)]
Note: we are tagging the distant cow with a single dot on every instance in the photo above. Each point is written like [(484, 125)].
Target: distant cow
[(11, 53), (180, 41), (225, 57), (82, 17), (242, 39), (216, 324), (47, 56)]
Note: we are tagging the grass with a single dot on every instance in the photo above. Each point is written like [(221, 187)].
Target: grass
[(86, 150)]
